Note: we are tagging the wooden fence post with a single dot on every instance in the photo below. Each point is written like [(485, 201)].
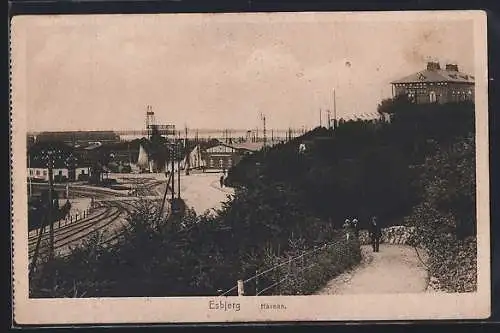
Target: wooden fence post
[(241, 290), (256, 282)]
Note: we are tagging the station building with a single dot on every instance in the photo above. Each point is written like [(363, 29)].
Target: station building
[(66, 164), (220, 157)]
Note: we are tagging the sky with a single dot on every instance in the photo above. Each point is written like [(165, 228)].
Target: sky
[(93, 72)]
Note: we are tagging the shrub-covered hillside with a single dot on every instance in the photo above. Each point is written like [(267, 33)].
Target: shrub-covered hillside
[(417, 169), (362, 168)]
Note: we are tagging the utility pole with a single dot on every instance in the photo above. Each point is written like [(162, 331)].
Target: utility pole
[(334, 110), (186, 158), (29, 175), (170, 179), (329, 118), (320, 122), (263, 117), (172, 155), (178, 171), (129, 155), (51, 220)]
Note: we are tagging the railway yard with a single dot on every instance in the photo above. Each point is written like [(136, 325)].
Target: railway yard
[(112, 206)]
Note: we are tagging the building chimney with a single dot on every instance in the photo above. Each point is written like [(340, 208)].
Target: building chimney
[(433, 66), (452, 67)]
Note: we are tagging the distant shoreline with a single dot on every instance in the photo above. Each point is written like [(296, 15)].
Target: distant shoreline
[(182, 130)]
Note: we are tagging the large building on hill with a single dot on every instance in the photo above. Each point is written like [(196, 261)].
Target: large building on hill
[(436, 85)]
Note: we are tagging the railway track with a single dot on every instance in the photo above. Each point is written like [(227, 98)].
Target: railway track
[(75, 233), (108, 219)]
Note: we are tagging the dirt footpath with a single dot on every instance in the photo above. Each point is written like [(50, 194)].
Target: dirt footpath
[(395, 269)]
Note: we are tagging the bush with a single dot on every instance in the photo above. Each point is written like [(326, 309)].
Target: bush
[(308, 273), (287, 203), (193, 255), (445, 220)]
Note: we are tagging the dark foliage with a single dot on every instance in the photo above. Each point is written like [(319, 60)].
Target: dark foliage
[(362, 168), (446, 217), (198, 255), (288, 202)]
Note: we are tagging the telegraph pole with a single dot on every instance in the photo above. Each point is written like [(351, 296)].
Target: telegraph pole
[(172, 155), (263, 117), (29, 175), (178, 171), (186, 157), (320, 122), (334, 110), (329, 118)]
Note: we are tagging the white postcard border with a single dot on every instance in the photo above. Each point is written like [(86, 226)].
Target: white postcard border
[(298, 308)]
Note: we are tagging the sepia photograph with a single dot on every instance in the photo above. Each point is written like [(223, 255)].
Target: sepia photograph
[(240, 167)]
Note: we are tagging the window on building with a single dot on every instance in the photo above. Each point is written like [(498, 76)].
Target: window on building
[(432, 97), (60, 173), (211, 162), (230, 161), (221, 162)]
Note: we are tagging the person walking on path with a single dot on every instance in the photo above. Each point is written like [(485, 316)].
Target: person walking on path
[(347, 228), (375, 234), (355, 226), (221, 180)]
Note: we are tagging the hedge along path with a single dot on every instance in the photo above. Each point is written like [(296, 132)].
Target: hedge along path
[(396, 268)]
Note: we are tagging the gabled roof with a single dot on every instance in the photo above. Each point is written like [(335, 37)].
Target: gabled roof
[(251, 146), (221, 148), (37, 155), (438, 75)]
